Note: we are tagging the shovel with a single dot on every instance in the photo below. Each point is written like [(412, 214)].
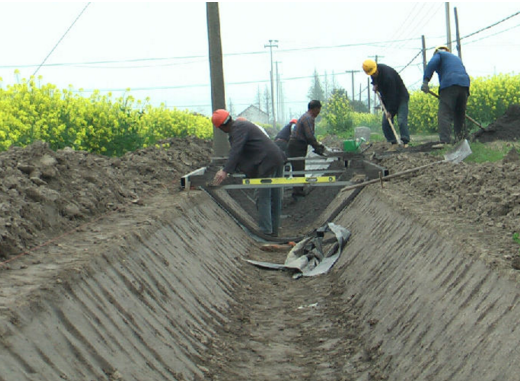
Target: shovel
[(389, 120), (456, 155)]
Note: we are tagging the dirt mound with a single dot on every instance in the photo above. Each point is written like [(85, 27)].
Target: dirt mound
[(505, 128), (45, 193)]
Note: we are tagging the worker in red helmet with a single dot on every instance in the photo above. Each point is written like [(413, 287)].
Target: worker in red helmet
[(255, 155), (282, 138)]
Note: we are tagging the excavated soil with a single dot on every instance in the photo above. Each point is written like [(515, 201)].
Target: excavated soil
[(108, 270)]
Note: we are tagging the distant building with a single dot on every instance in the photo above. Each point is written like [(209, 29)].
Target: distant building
[(254, 114)]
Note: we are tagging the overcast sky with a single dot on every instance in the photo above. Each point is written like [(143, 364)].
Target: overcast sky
[(159, 49)]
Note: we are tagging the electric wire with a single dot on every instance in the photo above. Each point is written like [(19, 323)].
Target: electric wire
[(391, 42), (62, 37)]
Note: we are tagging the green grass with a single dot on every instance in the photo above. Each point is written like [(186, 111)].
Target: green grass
[(375, 137), (484, 152), (489, 152)]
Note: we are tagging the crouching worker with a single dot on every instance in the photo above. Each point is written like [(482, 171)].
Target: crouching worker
[(256, 156)]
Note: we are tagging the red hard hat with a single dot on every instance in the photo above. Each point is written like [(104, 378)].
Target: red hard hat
[(294, 120), (220, 117)]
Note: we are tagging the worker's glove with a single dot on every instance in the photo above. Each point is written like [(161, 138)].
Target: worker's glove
[(320, 150), (425, 88)]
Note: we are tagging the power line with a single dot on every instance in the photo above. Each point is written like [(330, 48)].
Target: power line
[(493, 35), (62, 37), (491, 26), (200, 56)]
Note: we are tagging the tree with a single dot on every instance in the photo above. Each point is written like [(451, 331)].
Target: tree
[(231, 107), (258, 100), (316, 90), (337, 113), (267, 102), (359, 106)]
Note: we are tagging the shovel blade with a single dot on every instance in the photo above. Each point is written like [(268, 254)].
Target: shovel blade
[(461, 151)]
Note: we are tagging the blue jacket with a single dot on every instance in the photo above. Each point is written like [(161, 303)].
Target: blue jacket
[(449, 68)]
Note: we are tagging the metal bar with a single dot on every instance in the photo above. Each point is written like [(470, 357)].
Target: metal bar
[(186, 179), (261, 186)]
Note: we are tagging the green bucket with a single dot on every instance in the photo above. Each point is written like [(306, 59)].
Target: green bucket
[(350, 146)]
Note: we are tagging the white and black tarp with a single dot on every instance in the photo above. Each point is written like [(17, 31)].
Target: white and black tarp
[(314, 255)]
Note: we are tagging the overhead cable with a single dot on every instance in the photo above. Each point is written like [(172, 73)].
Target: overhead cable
[(55, 46)]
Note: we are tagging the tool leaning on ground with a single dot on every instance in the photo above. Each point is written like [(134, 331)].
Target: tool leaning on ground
[(389, 119), (456, 155)]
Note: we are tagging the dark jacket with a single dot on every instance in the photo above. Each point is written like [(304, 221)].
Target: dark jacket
[(252, 152), (449, 68), (391, 87), (285, 133), (304, 131)]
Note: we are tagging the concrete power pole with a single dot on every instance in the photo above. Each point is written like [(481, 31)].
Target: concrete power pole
[(352, 72), (376, 57), (271, 46), (278, 94), (424, 54), (457, 34), (218, 96), (448, 27)]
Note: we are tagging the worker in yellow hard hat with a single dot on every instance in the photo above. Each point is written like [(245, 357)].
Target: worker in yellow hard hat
[(255, 155), (453, 94), (394, 96)]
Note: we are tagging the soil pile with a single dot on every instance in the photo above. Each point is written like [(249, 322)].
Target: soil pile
[(505, 128), (44, 193)]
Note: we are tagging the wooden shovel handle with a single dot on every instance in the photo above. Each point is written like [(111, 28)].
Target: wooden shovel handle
[(389, 120)]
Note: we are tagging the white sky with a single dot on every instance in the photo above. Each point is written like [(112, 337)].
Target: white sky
[(159, 49)]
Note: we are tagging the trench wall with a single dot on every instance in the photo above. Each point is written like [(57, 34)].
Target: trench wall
[(146, 308), (431, 312)]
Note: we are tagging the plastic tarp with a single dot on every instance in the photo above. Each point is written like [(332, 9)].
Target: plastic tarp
[(314, 255)]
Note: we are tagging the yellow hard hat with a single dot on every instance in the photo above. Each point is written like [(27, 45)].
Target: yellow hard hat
[(441, 47), (369, 66)]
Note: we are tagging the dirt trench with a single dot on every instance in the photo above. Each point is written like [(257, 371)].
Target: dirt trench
[(110, 272), (165, 294)]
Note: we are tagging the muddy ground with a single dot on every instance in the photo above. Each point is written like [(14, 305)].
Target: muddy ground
[(46, 197)]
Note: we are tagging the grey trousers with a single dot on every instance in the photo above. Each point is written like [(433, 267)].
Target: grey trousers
[(269, 206), (452, 109)]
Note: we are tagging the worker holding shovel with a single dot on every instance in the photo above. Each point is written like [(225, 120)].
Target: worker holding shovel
[(394, 98), (453, 92)]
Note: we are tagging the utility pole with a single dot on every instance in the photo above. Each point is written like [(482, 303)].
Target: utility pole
[(271, 46), (352, 72), (218, 96), (376, 57), (368, 94), (457, 35), (424, 53), (448, 28), (278, 94)]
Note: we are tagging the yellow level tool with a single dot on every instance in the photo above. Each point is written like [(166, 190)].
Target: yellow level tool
[(290, 180)]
